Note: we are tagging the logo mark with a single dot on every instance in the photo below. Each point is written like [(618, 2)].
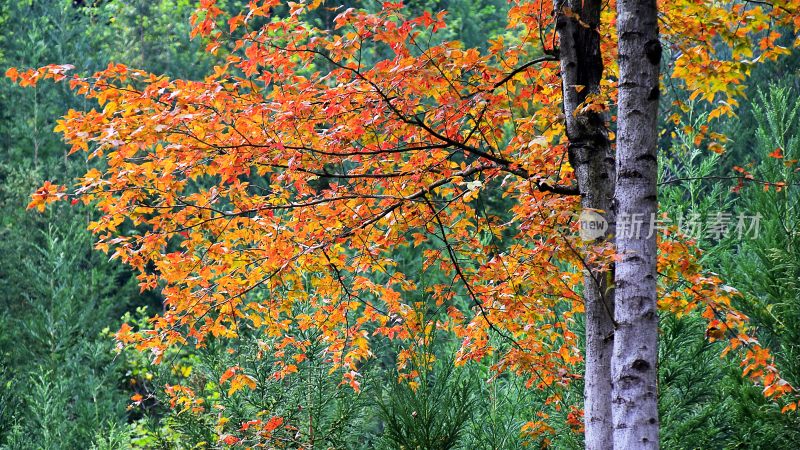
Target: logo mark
[(592, 225)]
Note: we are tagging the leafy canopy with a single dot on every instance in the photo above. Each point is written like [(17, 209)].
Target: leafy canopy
[(275, 193)]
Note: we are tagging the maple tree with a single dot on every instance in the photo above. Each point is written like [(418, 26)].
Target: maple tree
[(274, 193)]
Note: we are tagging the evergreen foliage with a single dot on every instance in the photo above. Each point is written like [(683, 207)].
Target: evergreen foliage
[(64, 385)]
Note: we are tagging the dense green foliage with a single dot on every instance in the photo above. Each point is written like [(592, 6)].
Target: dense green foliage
[(60, 377), (63, 385)]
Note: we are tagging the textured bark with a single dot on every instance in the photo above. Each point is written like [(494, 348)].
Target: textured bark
[(634, 406), (591, 158)]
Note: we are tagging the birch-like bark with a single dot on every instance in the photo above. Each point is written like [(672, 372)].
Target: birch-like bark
[(591, 158), (634, 405)]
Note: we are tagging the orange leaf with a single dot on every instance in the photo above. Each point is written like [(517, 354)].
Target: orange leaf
[(273, 423), (12, 73)]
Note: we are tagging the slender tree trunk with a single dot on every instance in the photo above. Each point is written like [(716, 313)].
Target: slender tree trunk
[(634, 406), (591, 158)]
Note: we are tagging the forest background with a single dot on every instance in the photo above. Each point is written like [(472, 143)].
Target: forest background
[(65, 384)]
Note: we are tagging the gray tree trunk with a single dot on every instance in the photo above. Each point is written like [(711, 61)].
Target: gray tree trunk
[(591, 158), (633, 365)]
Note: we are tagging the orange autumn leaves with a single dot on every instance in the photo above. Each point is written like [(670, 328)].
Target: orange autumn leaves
[(237, 380), (684, 288), (284, 192), (47, 193)]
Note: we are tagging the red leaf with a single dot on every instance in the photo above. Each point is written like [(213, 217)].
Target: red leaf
[(776, 153)]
